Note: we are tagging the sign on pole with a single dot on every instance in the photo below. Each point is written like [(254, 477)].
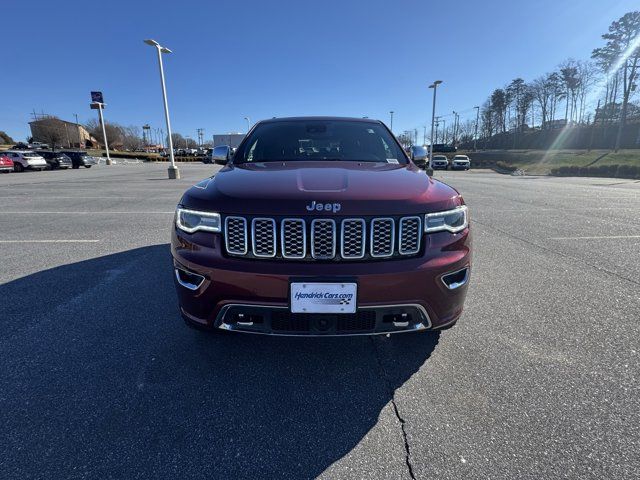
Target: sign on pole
[(97, 97)]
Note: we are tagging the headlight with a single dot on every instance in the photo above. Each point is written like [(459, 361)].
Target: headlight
[(192, 221), (453, 221)]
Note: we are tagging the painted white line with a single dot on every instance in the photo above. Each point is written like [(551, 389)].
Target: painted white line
[(50, 241), (545, 209), (23, 196), (85, 213), (596, 238)]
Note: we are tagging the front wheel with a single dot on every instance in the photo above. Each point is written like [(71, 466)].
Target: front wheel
[(18, 167)]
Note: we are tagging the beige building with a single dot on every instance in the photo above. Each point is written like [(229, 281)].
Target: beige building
[(67, 134)]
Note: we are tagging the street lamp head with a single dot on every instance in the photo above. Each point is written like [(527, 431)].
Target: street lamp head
[(153, 43), (437, 82)]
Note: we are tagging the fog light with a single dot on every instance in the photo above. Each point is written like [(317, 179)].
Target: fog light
[(456, 279), (189, 280)]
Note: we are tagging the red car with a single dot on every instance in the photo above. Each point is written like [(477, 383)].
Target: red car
[(320, 226), (6, 164)]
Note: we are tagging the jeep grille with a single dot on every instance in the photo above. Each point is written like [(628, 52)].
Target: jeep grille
[(323, 238)]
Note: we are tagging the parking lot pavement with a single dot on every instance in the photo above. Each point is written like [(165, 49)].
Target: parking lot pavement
[(100, 379)]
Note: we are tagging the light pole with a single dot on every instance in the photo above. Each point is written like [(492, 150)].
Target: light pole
[(248, 123), (99, 106), (456, 122), (434, 85), (475, 135), (391, 124), (173, 171), (78, 129)]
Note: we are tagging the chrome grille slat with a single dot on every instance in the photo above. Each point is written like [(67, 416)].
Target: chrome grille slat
[(328, 238), (235, 236), (293, 238), (383, 236), (263, 237), (323, 238), (352, 238), (410, 235)]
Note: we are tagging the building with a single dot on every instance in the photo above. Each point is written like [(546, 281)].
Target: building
[(52, 130), (231, 139)]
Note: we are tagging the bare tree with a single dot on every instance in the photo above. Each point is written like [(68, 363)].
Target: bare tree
[(113, 130), (131, 137), (545, 91), (499, 105), (622, 45), (52, 131), (488, 119), (570, 81), (586, 80)]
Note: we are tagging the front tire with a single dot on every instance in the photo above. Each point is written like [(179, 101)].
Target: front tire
[(18, 167)]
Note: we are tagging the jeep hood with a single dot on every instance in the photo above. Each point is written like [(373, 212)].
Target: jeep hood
[(287, 188)]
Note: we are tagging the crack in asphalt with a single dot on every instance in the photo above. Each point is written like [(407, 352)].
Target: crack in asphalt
[(402, 421)]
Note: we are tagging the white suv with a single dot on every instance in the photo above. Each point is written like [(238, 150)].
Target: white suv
[(25, 160), (461, 162)]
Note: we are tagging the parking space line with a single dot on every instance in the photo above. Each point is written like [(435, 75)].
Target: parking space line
[(83, 213), (604, 237), (50, 241)]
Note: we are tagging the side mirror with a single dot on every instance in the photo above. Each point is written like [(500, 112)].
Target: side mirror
[(221, 154)]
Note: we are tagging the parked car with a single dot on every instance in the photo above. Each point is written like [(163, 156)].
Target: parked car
[(419, 155), (460, 162), (6, 164), (55, 160), (37, 146), (80, 158), (26, 160), (320, 226), (440, 162)]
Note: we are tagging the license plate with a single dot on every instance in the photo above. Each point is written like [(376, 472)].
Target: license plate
[(323, 297)]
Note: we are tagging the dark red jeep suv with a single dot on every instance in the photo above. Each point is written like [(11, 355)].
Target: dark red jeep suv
[(320, 226)]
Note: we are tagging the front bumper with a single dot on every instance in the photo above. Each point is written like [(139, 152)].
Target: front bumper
[(394, 295), (460, 166)]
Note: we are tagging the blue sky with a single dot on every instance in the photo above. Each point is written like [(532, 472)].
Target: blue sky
[(280, 58)]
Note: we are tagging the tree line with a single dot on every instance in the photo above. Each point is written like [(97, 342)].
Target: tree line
[(561, 97)]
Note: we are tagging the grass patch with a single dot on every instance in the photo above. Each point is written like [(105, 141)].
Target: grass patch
[(542, 162)]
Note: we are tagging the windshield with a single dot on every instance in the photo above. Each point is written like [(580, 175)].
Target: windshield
[(320, 140)]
